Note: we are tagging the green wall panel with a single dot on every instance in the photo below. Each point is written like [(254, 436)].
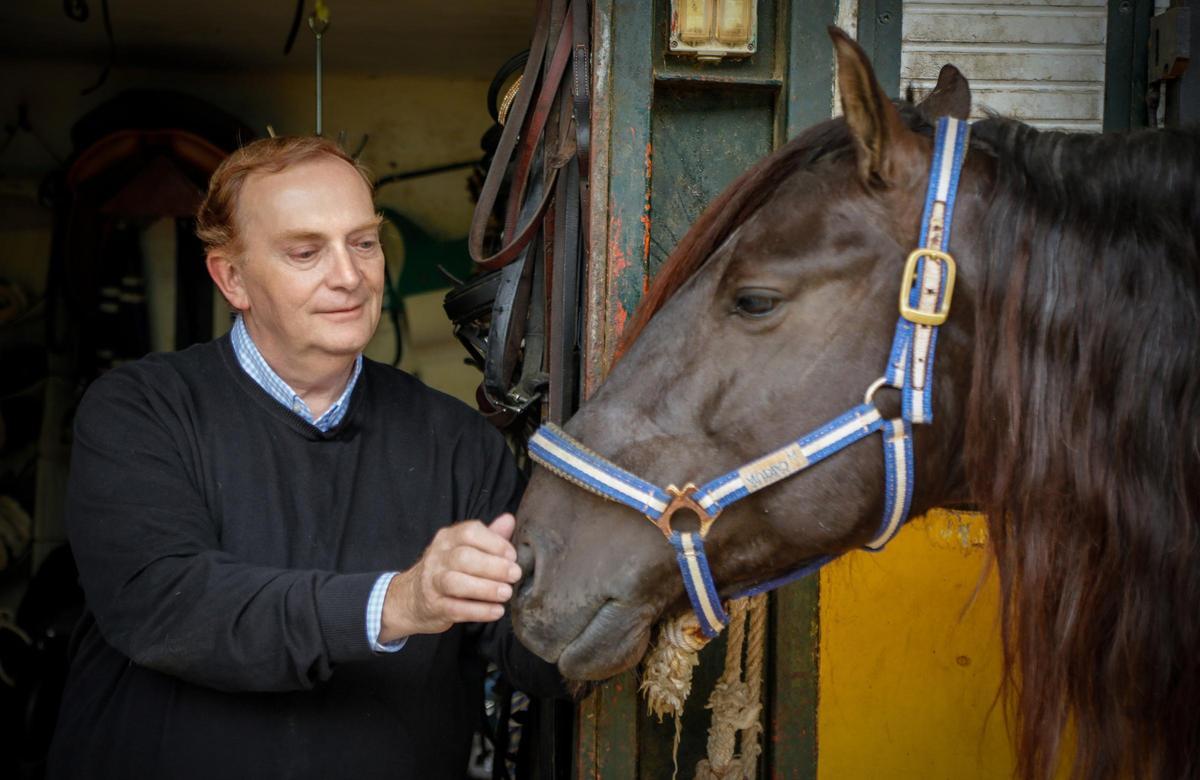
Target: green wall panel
[(674, 133), (703, 138)]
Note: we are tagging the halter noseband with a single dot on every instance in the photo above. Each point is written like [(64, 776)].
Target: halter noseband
[(925, 294)]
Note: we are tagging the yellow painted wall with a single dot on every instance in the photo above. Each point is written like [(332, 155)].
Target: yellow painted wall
[(910, 658)]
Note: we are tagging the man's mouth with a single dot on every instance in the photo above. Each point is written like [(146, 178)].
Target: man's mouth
[(349, 310)]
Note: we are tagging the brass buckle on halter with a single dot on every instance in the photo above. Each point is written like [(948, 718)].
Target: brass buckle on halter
[(912, 314), (682, 499)]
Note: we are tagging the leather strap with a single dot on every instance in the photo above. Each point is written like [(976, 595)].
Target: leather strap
[(508, 142), (570, 226), (508, 316), (581, 88), (519, 238), (536, 295), (533, 379), (564, 296), (470, 305)]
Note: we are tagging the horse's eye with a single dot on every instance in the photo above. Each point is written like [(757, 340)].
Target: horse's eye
[(755, 303)]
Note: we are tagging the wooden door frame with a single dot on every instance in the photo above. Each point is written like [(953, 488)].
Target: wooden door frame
[(623, 86)]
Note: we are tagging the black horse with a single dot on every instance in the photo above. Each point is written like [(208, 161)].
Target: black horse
[(1067, 408)]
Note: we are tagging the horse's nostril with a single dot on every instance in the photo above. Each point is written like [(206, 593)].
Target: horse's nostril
[(525, 559)]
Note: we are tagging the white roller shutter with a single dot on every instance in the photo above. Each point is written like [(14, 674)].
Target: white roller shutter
[(1040, 62)]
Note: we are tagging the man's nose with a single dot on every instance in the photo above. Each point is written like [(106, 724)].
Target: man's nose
[(344, 273)]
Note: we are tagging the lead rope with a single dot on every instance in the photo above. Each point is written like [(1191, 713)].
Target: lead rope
[(735, 702), (756, 650)]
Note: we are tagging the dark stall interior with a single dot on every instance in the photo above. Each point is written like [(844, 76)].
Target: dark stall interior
[(112, 117)]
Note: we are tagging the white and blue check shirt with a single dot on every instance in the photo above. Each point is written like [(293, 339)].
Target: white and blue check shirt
[(256, 367), (254, 364)]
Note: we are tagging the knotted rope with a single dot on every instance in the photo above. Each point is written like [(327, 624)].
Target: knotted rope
[(667, 672), (735, 702)]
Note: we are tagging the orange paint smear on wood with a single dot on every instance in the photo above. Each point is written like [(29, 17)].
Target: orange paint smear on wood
[(646, 213)]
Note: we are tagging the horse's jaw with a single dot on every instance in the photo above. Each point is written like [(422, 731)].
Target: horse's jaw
[(612, 640)]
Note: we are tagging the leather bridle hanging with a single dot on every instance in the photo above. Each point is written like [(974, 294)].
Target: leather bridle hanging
[(542, 156)]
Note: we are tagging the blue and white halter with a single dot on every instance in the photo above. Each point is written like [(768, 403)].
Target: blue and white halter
[(925, 293)]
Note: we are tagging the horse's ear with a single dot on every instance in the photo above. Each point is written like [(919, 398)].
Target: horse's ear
[(951, 97), (874, 122)]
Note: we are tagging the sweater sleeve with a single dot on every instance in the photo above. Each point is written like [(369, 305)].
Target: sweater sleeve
[(161, 589), (500, 491)]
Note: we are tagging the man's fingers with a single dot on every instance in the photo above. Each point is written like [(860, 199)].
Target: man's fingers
[(457, 585), (471, 560), (462, 611), (475, 534), (503, 526), (469, 571)]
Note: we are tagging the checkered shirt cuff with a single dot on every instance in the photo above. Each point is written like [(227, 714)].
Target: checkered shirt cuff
[(375, 616)]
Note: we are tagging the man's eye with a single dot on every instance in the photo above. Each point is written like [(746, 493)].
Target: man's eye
[(304, 254), (755, 303), (367, 245)]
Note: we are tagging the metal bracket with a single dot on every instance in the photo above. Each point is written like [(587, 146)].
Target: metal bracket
[(1170, 44)]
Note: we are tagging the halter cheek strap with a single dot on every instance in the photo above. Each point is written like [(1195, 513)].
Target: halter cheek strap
[(925, 294)]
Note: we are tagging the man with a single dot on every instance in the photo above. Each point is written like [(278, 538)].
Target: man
[(261, 522)]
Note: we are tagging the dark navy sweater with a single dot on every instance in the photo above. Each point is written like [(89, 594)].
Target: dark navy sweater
[(227, 549)]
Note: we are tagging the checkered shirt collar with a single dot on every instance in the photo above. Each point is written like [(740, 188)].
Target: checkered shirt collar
[(253, 363)]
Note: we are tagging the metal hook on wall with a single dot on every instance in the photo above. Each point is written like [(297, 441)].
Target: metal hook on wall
[(318, 22)]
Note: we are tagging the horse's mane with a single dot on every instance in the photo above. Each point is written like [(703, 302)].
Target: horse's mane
[(1083, 442), (1083, 436)]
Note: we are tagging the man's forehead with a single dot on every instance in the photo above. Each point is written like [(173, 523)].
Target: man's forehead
[(314, 196)]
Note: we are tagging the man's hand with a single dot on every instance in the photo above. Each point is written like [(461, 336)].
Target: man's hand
[(465, 576)]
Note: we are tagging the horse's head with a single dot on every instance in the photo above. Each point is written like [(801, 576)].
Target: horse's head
[(774, 314)]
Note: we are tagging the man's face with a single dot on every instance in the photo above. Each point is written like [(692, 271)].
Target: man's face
[(311, 270)]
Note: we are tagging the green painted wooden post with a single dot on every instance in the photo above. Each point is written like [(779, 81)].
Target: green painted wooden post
[(879, 33), (629, 185), (1126, 49), (606, 723), (791, 743), (810, 64), (668, 135)]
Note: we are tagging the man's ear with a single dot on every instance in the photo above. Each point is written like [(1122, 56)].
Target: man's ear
[(951, 97), (880, 135), (227, 275)]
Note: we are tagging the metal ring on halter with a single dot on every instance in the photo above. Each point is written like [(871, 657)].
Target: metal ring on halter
[(869, 396), (682, 499)]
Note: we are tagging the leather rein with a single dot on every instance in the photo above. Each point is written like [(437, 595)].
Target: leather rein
[(927, 286)]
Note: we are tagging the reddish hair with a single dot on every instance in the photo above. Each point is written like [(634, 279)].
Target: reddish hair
[(216, 225)]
